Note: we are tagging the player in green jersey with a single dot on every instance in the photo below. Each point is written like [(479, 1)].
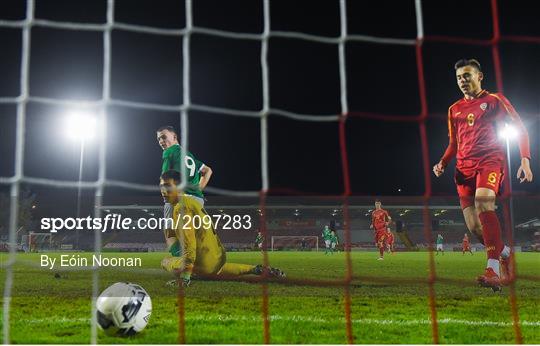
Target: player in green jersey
[(334, 241), (327, 237), (259, 240), (440, 244), (198, 175)]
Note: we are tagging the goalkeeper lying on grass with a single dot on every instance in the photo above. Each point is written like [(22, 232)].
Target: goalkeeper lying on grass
[(199, 250)]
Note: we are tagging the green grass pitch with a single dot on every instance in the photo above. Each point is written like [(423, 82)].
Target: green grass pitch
[(49, 309)]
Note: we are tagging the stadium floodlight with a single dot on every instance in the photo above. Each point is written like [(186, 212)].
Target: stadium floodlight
[(81, 126), (508, 132)]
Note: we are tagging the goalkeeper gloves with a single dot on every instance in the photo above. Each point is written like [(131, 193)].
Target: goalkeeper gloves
[(174, 249)]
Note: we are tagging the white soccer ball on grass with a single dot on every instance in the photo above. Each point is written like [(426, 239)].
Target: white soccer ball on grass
[(123, 309)]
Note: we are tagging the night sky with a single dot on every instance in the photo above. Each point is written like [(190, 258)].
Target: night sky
[(304, 78)]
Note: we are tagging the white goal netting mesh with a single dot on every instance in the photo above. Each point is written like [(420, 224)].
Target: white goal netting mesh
[(102, 106)]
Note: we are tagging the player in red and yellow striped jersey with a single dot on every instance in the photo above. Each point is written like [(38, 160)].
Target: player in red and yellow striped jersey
[(379, 222), (472, 129)]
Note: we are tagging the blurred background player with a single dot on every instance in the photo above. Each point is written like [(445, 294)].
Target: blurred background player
[(327, 237), (334, 241), (465, 246), (380, 219), (202, 251), (481, 161), (440, 246), (303, 244), (259, 240), (198, 177), (390, 240)]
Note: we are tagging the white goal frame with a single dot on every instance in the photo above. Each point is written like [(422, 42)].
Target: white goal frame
[(31, 236), (294, 237)]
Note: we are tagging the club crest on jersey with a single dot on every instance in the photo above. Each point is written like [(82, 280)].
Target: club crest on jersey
[(483, 106)]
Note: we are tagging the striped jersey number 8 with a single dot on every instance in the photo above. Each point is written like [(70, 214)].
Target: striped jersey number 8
[(190, 164), (470, 119)]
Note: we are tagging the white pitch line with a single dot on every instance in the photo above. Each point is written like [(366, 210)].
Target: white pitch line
[(296, 318)]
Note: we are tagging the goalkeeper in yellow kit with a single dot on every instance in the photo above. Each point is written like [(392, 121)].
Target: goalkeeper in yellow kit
[(201, 251)]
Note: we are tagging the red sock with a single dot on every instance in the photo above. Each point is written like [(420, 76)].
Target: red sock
[(491, 231), (381, 251)]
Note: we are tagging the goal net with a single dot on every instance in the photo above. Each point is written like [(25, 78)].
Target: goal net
[(298, 243), (346, 118), (38, 242)]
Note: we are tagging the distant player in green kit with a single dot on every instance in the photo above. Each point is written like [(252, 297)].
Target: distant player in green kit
[(440, 244), (327, 237), (334, 241), (259, 240)]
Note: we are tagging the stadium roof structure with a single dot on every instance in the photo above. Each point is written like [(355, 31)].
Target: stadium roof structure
[(404, 212), (531, 224), (445, 210)]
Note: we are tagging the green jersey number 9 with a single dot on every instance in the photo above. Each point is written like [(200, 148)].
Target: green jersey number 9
[(190, 164)]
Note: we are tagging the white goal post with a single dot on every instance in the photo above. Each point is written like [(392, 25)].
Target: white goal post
[(294, 242)]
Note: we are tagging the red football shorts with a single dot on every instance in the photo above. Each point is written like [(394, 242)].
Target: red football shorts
[(489, 176), (380, 236)]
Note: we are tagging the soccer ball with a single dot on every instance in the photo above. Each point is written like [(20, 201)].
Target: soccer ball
[(123, 309)]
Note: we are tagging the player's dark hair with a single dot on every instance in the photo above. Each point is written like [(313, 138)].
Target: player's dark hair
[(168, 128), (468, 62), (377, 201), (171, 174)]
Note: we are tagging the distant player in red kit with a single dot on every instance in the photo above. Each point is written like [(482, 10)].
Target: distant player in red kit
[(390, 240), (379, 221), (465, 246), (472, 129)]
